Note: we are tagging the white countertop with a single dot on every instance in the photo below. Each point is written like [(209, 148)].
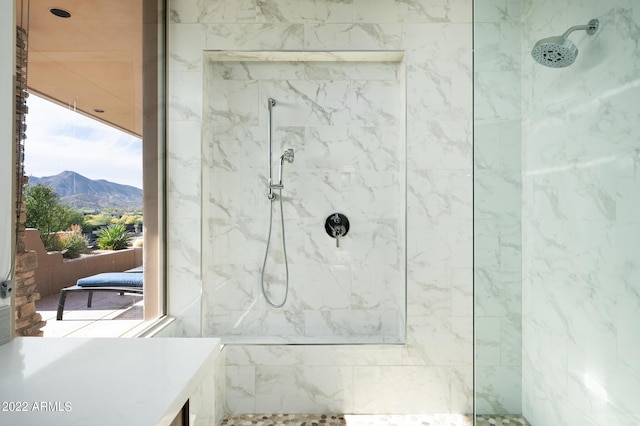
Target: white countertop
[(100, 381)]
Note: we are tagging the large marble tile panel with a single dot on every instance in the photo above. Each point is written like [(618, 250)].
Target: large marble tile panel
[(501, 189), (238, 241), (231, 193), (373, 71), (240, 388), (498, 389), (439, 144), (306, 102), (497, 46), (423, 44), (377, 287), (309, 389), (250, 355), (307, 11), (430, 292), (462, 395), (188, 43), (511, 340), (410, 11), (402, 389), (353, 355), (255, 70), (493, 11), (376, 103), (213, 11), (462, 292), (358, 36), (627, 330), (439, 193), (353, 323), (238, 148), (277, 36), (185, 98), (498, 292), (438, 341), (488, 341), (320, 287), (434, 90), (504, 102), (231, 286), (498, 146), (257, 321), (343, 148), (233, 103), (439, 251)]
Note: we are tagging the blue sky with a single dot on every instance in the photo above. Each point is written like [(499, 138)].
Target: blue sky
[(60, 139)]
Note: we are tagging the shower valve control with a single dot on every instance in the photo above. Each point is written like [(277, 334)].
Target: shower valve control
[(337, 226)]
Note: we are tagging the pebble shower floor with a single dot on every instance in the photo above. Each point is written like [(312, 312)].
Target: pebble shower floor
[(379, 420)]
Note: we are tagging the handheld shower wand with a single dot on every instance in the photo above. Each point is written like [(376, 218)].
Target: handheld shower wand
[(286, 156)]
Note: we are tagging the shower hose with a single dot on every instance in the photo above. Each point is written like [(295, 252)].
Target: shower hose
[(266, 254)]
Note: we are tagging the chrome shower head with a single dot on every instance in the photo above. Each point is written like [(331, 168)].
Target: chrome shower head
[(555, 52), (559, 51)]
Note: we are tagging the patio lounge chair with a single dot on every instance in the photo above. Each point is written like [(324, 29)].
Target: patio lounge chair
[(120, 282)]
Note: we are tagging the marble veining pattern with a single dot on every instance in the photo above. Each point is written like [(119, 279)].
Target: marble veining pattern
[(323, 115), (580, 144), (497, 207), (436, 40)]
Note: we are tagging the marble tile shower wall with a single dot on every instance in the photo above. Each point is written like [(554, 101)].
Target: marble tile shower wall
[(498, 198), (432, 373), (581, 229), (345, 123)]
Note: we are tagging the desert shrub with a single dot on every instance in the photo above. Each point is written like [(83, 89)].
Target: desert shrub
[(113, 237), (51, 241), (74, 242), (138, 242)]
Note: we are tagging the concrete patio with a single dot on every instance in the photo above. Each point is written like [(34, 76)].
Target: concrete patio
[(111, 315)]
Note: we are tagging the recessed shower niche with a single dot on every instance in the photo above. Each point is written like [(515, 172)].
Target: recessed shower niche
[(338, 119)]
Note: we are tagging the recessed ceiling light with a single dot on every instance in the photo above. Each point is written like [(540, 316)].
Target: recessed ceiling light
[(98, 110), (60, 13)]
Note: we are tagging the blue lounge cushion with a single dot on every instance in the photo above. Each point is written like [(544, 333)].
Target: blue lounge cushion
[(112, 279)]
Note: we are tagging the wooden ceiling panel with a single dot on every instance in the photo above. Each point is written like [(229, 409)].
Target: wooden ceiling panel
[(92, 59)]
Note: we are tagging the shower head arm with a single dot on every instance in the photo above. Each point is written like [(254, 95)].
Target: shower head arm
[(590, 28)]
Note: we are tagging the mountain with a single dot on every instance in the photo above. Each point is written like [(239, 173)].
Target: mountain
[(80, 192)]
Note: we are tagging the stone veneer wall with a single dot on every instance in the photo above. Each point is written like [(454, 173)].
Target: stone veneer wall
[(28, 321), (432, 372)]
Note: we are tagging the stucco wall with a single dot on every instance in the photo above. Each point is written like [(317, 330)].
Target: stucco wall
[(54, 273)]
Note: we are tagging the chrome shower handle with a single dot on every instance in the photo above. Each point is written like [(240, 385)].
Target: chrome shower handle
[(336, 226)]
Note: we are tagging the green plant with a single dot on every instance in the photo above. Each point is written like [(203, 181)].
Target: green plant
[(113, 237), (47, 214), (74, 243)]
